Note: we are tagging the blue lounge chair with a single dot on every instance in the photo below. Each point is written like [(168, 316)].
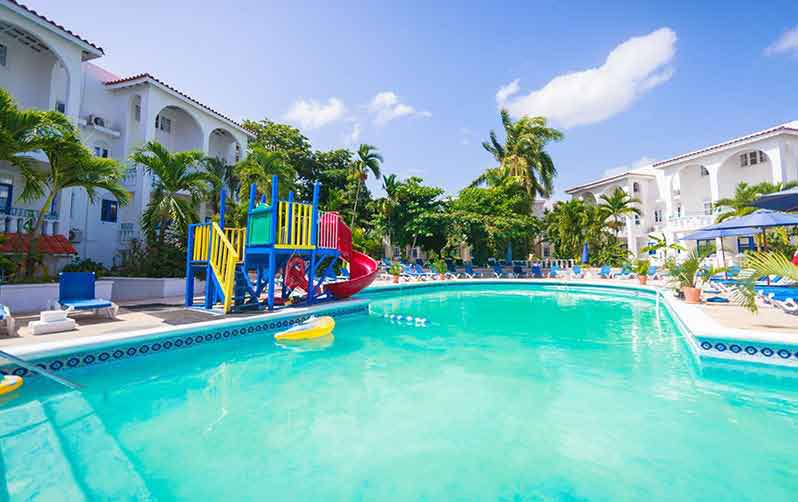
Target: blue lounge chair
[(554, 271), (7, 320), (625, 273), (652, 272), (576, 272), (451, 270), (76, 292), (536, 272), (518, 271), (498, 271), (469, 271), (604, 272), (424, 274)]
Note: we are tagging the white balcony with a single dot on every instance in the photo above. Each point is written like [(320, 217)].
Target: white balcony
[(689, 221), (130, 178), (127, 233), (19, 220)]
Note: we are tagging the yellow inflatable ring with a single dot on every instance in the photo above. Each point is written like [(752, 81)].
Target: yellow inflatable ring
[(315, 327), (10, 383)]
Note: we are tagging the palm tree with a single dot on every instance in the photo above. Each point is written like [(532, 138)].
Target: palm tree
[(368, 159), (763, 263), (222, 176), (742, 203), (27, 130), (70, 164), (258, 168), (618, 204), (522, 155), (177, 189)]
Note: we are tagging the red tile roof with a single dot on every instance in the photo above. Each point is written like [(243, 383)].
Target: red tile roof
[(47, 244), (53, 23), (148, 76)]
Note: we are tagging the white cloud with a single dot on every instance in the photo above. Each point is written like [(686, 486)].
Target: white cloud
[(505, 91), (311, 114), (354, 135), (585, 97), (386, 107), (786, 43)]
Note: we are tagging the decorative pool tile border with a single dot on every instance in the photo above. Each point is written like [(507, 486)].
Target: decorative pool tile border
[(184, 340), (748, 351)]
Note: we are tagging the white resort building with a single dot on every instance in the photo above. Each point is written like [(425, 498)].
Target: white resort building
[(44, 65), (678, 195)]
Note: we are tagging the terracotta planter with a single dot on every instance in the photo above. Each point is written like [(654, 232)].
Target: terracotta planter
[(395, 279), (691, 295), (642, 279), (442, 277)]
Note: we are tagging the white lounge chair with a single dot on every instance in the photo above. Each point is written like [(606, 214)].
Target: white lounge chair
[(788, 306)]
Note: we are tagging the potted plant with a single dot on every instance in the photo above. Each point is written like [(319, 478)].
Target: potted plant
[(440, 267), (688, 274), (641, 267), (395, 270)]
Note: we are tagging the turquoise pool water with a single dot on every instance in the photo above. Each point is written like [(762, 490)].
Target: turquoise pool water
[(510, 392)]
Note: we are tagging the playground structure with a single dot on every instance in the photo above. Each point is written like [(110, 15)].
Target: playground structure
[(284, 239)]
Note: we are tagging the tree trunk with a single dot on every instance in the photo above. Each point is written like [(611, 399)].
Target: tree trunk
[(35, 231), (354, 210)]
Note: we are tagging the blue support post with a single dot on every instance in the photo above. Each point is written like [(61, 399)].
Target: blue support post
[(222, 195), (290, 217), (315, 214), (189, 271), (253, 191), (275, 200), (270, 278), (210, 286), (313, 220)]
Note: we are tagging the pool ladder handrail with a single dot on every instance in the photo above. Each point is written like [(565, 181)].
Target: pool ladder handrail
[(43, 372)]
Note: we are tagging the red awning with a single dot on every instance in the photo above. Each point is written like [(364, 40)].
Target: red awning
[(47, 244)]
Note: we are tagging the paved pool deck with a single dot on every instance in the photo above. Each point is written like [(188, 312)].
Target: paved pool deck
[(168, 312)]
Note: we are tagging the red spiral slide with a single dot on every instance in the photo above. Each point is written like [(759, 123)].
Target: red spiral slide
[(362, 268)]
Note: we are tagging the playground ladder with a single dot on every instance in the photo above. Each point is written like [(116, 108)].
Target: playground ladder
[(222, 250)]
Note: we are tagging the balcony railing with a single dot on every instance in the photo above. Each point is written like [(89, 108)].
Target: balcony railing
[(689, 221), (19, 219), (127, 233), (130, 178)]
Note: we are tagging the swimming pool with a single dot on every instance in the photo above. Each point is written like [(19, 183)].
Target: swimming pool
[(505, 391)]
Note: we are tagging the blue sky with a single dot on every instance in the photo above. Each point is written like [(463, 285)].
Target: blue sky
[(421, 81)]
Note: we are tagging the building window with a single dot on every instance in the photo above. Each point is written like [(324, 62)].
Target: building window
[(678, 211), (163, 124), (707, 207), (109, 211), (60, 106), (6, 191), (707, 244), (137, 113), (72, 204), (635, 187), (658, 216), (704, 171), (752, 158), (637, 219), (3, 54), (745, 244), (100, 152)]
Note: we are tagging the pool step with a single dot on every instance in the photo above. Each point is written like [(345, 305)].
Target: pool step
[(34, 462), (104, 470)]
